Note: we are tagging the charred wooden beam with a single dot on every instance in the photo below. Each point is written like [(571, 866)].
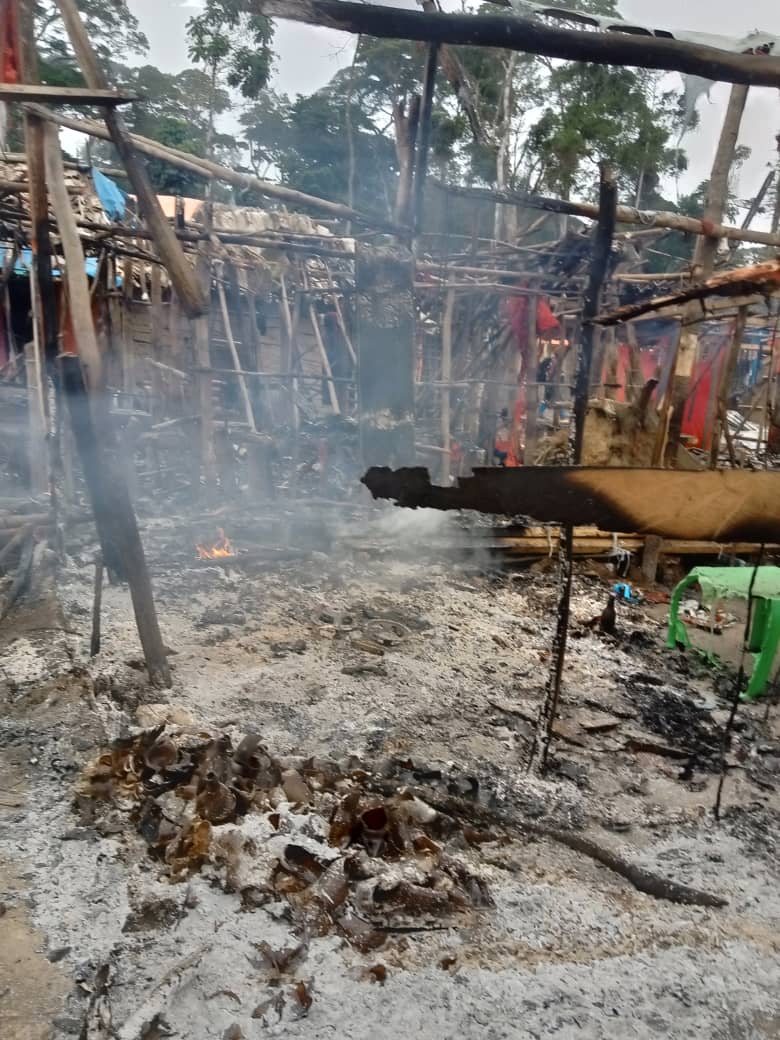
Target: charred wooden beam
[(757, 280), (718, 506), (529, 36), (63, 95), (647, 219)]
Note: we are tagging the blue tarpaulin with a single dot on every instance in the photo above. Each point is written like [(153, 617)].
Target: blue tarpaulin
[(112, 198), (23, 265)]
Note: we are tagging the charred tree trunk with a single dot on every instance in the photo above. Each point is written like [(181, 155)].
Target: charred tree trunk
[(703, 265), (405, 123), (385, 347)]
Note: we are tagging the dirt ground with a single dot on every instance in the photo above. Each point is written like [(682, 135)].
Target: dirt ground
[(387, 650)]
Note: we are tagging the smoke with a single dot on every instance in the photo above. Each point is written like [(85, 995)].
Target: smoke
[(415, 524)]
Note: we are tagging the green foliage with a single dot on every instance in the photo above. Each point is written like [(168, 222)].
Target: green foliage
[(230, 39), (173, 109), (601, 113), (307, 139), (113, 31)]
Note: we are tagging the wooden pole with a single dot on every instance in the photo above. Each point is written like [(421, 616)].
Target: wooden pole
[(650, 557), (530, 36), (340, 317), (602, 247), (648, 220), (290, 332), (204, 403), (36, 443), (94, 645), (78, 289), (250, 417), (181, 272), (531, 389), (126, 341), (446, 378), (726, 381), (120, 541), (315, 324), (114, 514), (156, 328)]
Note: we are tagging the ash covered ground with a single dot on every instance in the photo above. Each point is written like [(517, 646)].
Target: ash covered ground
[(375, 860)]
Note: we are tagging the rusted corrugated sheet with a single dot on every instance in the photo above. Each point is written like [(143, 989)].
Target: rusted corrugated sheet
[(718, 506)]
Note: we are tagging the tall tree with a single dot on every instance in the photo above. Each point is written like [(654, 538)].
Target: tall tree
[(113, 30)]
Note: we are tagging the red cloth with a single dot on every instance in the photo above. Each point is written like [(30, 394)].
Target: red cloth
[(9, 40), (545, 319)]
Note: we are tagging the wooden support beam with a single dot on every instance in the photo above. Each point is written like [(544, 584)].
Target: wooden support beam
[(206, 463), (647, 219), (179, 268), (315, 324), (211, 170), (36, 417), (114, 514), (757, 281), (63, 95), (529, 36), (250, 416), (78, 289)]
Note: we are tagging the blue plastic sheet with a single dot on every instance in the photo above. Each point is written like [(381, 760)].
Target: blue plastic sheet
[(112, 198)]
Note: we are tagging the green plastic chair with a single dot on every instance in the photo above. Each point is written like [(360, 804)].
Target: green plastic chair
[(763, 640)]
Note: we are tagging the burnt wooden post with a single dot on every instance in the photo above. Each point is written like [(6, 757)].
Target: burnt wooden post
[(120, 541), (385, 347), (602, 247), (114, 516)]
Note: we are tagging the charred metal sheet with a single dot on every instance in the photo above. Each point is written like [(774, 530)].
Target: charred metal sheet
[(718, 506), (385, 319)]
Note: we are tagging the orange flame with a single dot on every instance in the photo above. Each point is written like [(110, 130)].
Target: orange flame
[(219, 551)]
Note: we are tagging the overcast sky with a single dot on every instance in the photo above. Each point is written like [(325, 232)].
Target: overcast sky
[(308, 57)]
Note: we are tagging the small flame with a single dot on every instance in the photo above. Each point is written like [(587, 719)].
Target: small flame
[(219, 551)]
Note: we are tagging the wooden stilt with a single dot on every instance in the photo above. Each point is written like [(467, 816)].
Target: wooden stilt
[(290, 360), (37, 452), (156, 313), (532, 388), (94, 645), (114, 515), (315, 324), (126, 342), (120, 541), (720, 426), (204, 404), (250, 416), (340, 318)]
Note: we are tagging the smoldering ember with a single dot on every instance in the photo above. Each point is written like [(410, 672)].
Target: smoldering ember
[(389, 528)]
